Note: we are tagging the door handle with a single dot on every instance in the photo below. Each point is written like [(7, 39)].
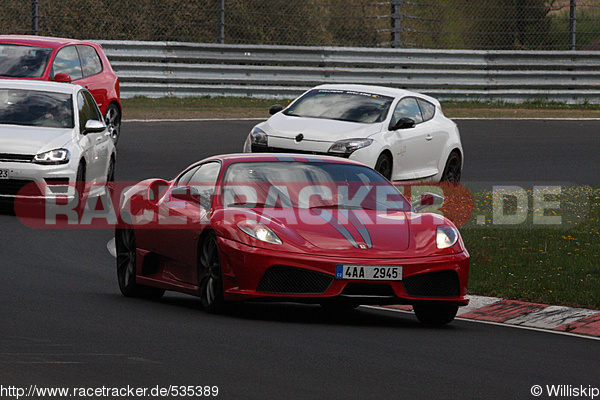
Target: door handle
[(429, 137)]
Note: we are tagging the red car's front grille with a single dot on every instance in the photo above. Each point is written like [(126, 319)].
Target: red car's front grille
[(433, 284), (289, 280)]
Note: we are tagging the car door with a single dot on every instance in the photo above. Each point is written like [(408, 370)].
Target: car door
[(411, 147), (185, 221), (93, 80), (439, 132), (95, 144)]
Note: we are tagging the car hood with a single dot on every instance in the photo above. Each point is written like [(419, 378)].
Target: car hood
[(317, 129), (32, 140), (337, 232)]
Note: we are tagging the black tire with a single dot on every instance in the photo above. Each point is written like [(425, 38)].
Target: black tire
[(453, 168), (80, 188), (110, 181), (112, 118), (211, 283), (126, 262), (435, 314), (384, 166)]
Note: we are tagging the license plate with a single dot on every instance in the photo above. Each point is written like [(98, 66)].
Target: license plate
[(4, 174), (369, 272)]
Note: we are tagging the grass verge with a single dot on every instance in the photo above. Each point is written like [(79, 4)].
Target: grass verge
[(546, 263), (235, 107)]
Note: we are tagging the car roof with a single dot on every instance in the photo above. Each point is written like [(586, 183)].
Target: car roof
[(381, 90), (40, 41), (44, 86)]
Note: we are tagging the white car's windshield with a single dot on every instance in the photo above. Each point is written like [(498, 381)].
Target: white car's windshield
[(17, 61), (343, 105), (295, 184), (36, 108)]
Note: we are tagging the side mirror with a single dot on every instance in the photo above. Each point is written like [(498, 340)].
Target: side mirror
[(404, 123), (156, 188), (428, 200), (93, 126), (62, 78), (274, 109), (187, 193)]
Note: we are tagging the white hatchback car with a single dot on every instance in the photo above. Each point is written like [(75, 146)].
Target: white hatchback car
[(52, 134), (401, 134)]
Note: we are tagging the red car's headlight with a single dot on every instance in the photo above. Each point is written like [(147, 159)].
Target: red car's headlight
[(446, 236), (259, 231)]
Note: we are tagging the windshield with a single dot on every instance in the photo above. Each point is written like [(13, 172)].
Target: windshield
[(295, 184), (17, 61), (343, 105), (36, 108)]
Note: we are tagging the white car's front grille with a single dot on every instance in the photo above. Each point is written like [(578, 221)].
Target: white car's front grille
[(21, 158)]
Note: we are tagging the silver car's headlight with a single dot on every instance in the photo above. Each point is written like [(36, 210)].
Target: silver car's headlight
[(52, 157), (446, 236), (259, 231), (349, 146), (258, 137)]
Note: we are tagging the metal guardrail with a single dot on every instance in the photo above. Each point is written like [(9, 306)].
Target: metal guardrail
[(158, 69)]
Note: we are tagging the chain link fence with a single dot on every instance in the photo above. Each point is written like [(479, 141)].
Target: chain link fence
[(434, 24)]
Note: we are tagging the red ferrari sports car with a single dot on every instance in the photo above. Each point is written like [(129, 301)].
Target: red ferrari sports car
[(64, 60), (279, 227)]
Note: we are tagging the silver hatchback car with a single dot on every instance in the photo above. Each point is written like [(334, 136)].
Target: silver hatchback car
[(52, 135)]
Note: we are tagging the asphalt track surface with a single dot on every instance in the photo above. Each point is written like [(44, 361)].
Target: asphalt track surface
[(65, 324)]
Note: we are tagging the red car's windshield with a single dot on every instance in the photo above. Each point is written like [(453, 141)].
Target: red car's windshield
[(282, 184), (18, 61)]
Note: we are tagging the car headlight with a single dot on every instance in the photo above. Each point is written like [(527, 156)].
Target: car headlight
[(52, 157), (349, 146), (258, 137), (446, 236), (259, 231)]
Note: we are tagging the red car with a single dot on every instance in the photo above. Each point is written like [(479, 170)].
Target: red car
[(283, 227), (65, 60)]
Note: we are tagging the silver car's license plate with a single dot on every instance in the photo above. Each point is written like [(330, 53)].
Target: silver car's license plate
[(4, 173), (369, 272)]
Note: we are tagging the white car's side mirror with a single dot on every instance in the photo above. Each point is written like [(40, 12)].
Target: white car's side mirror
[(93, 126)]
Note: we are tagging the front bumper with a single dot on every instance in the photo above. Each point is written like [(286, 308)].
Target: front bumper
[(256, 273), (36, 181)]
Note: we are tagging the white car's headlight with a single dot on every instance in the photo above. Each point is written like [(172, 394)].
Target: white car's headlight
[(446, 236), (349, 146), (259, 231), (52, 157), (258, 137)]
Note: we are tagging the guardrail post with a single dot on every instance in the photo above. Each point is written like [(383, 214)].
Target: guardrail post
[(573, 24), (34, 17), (396, 24), (222, 21)]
